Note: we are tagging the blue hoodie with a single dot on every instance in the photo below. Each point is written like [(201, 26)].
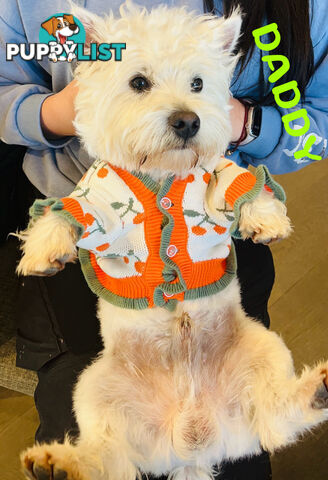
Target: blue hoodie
[(54, 167)]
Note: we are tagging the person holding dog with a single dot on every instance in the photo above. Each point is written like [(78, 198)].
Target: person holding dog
[(38, 110)]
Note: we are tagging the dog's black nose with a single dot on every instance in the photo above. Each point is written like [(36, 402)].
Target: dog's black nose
[(185, 124), (72, 26)]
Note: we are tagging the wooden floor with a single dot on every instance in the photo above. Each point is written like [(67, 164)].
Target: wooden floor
[(299, 311), (18, 421), (299, 303)]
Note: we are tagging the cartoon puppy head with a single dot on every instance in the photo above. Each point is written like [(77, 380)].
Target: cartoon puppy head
[(61, 27)]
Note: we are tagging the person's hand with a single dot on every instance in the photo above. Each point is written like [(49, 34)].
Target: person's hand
[(237, 114), (57, 113)]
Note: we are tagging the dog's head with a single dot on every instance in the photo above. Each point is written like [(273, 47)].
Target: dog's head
[(166, 103), (61, 27)]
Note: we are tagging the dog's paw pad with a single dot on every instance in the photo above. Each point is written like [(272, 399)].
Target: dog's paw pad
[(48, 272), (55, 265), (60, 261), (37, 472), (45, 268), (41, 473), (259, 237), (320, 399), (60, 475), (40, 464), (29, 475)]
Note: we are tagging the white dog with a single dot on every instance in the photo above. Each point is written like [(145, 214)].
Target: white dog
[(186, 379)]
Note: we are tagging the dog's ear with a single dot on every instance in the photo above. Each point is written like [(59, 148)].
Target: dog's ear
[(50, 25), (94, 25), (69, 18), (231, 30), (225, 31)]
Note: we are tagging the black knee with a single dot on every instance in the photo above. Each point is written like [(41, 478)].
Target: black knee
[(53, 397), (256, 277)]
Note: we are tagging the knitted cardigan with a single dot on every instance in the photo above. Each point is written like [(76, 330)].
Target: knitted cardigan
[(144, 244)]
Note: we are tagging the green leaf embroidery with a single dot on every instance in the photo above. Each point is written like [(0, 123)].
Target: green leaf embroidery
[(117, 205), (84, 193), (191, 213)]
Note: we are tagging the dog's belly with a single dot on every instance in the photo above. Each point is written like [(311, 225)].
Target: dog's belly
[(168, 423), (172, 424), (178, 411)]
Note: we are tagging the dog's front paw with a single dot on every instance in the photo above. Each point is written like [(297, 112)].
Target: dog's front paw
[(264, 220), (47, 246)]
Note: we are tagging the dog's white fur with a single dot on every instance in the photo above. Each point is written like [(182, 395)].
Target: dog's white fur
[(180, 392)]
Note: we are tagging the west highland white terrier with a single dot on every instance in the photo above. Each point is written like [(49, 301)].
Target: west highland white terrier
[(186, 379)]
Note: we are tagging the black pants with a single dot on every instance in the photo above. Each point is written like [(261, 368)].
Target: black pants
[(54, 341)]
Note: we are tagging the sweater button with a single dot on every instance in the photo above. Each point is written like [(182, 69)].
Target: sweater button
[(165, 203), (168, 295), (171, 251)]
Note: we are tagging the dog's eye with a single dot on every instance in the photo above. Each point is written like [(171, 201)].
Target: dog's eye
[(140, 84), (59, 25), (66, 23), (196, 85)]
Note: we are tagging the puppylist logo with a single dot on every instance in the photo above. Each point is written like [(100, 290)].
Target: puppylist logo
[(62, 38)]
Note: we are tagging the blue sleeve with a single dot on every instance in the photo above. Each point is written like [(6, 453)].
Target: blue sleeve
[(274, 147), (24, 86)]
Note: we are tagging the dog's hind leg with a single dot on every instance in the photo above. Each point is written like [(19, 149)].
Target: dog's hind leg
[(291, 406), (90, 459), (103, 427), (281, 405)]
